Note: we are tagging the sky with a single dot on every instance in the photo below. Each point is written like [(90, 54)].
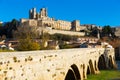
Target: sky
[(99, 12)]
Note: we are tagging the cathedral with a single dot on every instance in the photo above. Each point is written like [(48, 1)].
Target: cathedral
[(42, 19)]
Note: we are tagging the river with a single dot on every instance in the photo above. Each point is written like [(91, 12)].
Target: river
[(118, 64)]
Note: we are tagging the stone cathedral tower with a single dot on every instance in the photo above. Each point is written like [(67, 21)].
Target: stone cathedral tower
[(43, 12), (34, 15)]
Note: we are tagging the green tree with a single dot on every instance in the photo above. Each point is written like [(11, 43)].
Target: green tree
[(26, 37), (10, 26), (94, 32), (62, 37), (27, 45), (106, 31)]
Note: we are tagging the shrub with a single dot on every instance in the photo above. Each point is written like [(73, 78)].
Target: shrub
[(66, 46), (27, 45), (63, 37), (6, 50)]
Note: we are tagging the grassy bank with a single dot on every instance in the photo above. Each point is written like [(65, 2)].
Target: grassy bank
[(6, 50), (106, 75)]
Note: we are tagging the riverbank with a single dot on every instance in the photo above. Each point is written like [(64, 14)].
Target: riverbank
[(107, 74)]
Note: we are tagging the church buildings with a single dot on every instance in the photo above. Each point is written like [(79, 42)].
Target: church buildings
[(42, 19)]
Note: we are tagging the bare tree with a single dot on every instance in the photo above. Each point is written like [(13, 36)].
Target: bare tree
[(24, 32)]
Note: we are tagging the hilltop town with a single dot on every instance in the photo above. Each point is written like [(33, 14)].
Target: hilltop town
[(51, 33)]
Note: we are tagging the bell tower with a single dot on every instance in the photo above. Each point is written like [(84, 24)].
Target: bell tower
[(43, 12), (32, 13)]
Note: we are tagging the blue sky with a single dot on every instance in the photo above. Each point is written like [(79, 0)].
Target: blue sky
[(99, 12)]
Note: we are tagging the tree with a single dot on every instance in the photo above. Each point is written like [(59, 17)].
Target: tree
[(26, 37), (95, 32), (0, 24), (62, 37), (106, 31), (26, 31), (27, 45), (10, 26), (3, 37)]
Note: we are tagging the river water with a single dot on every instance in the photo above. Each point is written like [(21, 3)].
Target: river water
[(118, 64)]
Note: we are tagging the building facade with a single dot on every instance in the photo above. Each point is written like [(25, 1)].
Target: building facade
[(117, 32), (41, 19)]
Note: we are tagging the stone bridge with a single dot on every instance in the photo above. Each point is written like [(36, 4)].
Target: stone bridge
[(67, 64)]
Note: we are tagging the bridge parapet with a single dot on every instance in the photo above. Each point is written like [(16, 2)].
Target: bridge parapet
[(54, 64)]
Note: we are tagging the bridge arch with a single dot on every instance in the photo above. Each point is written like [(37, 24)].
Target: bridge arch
[(73, 73), (91, 66), (70, 75), (88, 70), (102, 63)]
